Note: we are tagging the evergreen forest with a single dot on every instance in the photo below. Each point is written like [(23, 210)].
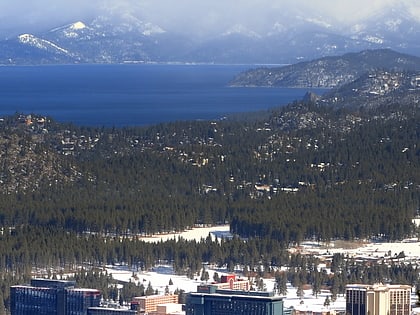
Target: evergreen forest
[(316, 170)]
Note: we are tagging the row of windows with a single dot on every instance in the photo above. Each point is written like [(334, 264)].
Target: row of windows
[(355, 296), (33, 301), (236, 307)]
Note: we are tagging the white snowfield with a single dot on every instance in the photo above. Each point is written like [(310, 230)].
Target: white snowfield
[(193, 234)]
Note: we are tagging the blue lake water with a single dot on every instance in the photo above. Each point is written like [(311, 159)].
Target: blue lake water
[(129, 95)]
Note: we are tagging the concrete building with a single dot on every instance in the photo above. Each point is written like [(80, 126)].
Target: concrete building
[(378, 299)]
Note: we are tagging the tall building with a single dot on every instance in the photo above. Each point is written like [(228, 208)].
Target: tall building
[(51, 297), (79, 300), (232, 302), (378, 299)]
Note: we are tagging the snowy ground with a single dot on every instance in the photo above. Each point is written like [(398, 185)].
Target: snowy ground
[(193, 234), (410, 247), (160, 276)]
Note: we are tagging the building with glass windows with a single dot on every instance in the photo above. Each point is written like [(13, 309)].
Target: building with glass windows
[(231, 302), (378, 299), (79, 300), (51, 297)]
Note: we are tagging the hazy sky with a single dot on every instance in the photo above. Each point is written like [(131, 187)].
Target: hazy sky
[(204, 15)]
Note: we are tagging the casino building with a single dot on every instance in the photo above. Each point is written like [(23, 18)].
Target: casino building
[(52, 297), (378, 299), (230, 297)]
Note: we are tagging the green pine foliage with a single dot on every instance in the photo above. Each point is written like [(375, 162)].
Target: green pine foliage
[(79, 196)]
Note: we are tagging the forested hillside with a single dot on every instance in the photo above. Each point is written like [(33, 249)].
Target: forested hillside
[(331, 167), (333, 157)]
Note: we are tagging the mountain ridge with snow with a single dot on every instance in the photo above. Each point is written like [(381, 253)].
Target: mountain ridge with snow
[(123, 38)]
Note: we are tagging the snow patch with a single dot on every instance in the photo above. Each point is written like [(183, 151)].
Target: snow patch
[(393, 25), (373, 39), (77, 26), (242, 30), (150, 29), (319, 22), (39, 43), (193, 234)]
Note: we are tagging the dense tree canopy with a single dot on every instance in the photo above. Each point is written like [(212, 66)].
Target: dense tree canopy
[(301, 172)]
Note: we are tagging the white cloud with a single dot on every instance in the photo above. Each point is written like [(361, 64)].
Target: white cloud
[(190, 15)]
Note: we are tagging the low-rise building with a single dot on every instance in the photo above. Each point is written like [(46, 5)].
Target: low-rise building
[(228, 282), (232, 302), (147, 304)]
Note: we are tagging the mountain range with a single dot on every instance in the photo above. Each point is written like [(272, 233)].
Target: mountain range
[(126, 38), (328, 72)]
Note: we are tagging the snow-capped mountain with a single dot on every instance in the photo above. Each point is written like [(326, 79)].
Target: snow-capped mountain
[(291, 38)]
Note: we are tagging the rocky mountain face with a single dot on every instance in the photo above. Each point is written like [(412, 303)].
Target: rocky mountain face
[(328, 72), (119, 39)]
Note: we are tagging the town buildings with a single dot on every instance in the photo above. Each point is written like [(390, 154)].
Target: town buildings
[(378, 299), (232, 296)]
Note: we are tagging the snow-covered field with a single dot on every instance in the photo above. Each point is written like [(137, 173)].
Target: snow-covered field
[(193, 234), (160, 276), (410, 247)]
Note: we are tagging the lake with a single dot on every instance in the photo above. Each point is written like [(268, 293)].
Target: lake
[(133, 95)]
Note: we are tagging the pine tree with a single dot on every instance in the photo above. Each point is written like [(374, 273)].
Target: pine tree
[(149, 289), (216, 277), (327, 301)]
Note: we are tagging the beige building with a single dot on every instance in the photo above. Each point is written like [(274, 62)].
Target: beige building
[(168, 309), (378, 299), (148, 304), (228, 282)]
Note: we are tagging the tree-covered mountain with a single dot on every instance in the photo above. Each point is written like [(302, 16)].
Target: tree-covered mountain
[(343, 165), (328, 72), (344, 156)]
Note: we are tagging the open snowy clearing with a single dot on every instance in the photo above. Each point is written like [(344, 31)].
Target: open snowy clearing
[(193, 234), (161, 276)]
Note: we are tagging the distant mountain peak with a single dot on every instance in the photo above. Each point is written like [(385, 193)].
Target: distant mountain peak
[(127, 23), (78, 25)]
